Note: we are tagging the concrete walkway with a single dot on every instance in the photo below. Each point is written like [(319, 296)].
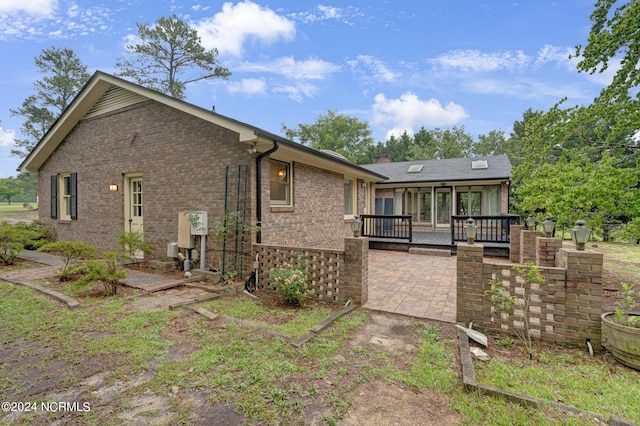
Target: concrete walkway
[(161, 292), (412, 284)]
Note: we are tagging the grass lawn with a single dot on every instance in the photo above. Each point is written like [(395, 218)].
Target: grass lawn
[(177, 367), (16, 207), (621, 260), (596, 384)]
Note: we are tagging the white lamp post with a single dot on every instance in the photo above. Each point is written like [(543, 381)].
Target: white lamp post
[(580, 235), (547, 226), (470, 230), (355, 226)]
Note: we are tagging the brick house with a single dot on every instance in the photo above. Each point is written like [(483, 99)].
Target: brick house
[(432, 191), (125, 158)]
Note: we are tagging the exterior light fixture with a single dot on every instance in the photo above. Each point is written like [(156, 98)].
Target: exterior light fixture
[(470, 230), (113, 187), (580, 235), (531, 223), (355, 226), (547, 226), (252, 149)]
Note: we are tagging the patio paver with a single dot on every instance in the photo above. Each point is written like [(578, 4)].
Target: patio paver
[(412, 284)]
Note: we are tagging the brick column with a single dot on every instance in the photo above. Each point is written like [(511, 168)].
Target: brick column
[(583, 295), (355, 277), (469, 285), (547, 251), (528, 246), (514, 242)]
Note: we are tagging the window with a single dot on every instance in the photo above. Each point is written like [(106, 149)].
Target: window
[(492, 200), (425, 213), (349, 196), (485, 200), (280, 183), (463, 203), (64, 198)]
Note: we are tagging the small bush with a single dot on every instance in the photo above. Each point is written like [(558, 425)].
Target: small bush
[(13, 239), (70, 250), (41, 234), (106, 271), (131, 243), (625, 312), (291, 282)]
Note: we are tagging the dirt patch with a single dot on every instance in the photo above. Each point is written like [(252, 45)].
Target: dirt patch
[(388, 404), (18, 264), (31, 368), (26, 216), (388, 333)]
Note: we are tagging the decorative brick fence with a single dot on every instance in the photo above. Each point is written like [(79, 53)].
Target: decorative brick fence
[(564, 309), (334, 276)]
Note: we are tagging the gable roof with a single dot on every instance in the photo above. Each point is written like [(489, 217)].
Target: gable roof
[(446, 170), (104, 92)]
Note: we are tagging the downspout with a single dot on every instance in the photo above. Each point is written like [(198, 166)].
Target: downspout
[(259, 188)]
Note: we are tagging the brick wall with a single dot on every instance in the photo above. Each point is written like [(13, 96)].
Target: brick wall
[(182, 161), (504, 197), (547, 251), (514, 240), (564, 309), (335, 276), (528, 246), (316, 218)]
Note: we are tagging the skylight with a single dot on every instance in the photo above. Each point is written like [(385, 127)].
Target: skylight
[(479, 164), (415, 168)]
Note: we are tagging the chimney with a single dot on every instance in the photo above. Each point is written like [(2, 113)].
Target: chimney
[(381, 159)]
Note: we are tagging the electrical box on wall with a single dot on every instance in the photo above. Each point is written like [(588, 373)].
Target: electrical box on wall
[(198, 222), (172, 250), (185, 239)]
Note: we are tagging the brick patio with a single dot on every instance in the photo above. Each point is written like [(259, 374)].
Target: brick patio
[(412, 284)]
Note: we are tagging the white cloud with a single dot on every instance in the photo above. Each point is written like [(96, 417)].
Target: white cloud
[(53, 20), (31, 7), (310, 69), (409, 111), (298, 91), (557, 55), (230, 28), (379, 69), (248, 86), (319, 13), (6, 138), (199, 7), (477, 61)]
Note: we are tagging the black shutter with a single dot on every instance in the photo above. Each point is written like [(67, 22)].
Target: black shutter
[(73, 182), (54, 197)]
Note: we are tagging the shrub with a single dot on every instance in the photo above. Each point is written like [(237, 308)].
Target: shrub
[(41, 234), (131, 243), (106, 271), (625, 311), (70, 250), (291, 282), (13, 239)]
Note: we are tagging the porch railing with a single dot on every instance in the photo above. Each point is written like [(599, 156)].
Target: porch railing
[(491, 229), (387, 226)]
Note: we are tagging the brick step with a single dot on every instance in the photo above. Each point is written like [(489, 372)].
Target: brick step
[(430, 252)]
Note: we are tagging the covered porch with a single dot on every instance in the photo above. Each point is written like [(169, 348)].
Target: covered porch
[(398, 232)]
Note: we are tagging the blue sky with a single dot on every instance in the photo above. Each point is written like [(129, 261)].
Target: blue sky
[(398, 65)]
